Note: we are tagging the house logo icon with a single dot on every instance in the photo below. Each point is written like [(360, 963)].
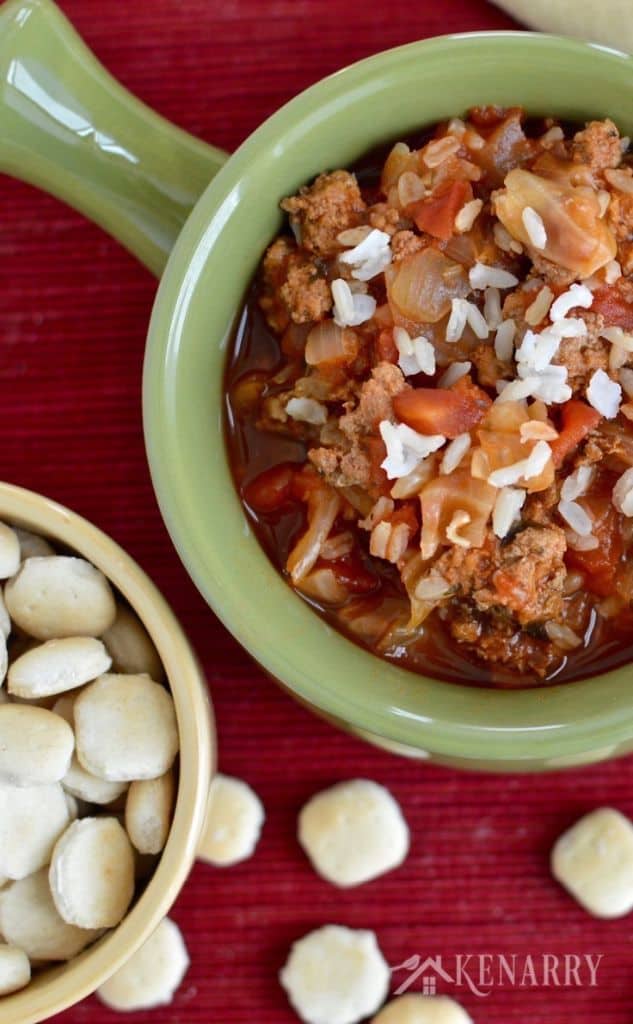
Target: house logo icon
[(425, 973)]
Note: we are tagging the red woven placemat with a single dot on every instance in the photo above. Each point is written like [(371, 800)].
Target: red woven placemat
[(74, 313)]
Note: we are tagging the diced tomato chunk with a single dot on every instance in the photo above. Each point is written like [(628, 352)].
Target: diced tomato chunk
[(615, 308), (379, 483), (351, 572), (407, 513), (436, 214), (385, 347), (600, 564), (578, 419), (272, 489), (447, 411), (305, 483)]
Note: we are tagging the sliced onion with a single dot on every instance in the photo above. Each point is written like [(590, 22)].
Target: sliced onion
[(423, 286), (577, 238), (562, 636), (329, 343), (323, 509), (410, 485), (400, 159), (322, 585), (410, 188), (444, 496)]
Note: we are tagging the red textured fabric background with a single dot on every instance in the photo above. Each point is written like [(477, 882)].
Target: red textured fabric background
[(74, 313)]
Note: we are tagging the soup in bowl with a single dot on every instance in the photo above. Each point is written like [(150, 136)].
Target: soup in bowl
[(196, 320)]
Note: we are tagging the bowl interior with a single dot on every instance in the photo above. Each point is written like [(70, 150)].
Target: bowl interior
[(59, 987), (330, 126)]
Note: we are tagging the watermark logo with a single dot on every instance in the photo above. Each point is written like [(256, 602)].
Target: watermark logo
[(480, 973)]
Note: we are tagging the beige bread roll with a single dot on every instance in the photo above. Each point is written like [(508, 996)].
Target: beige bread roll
[(88, 787), (29, 920), (151, 975), (35, 745), (9, 551), (233, 824), (419, 1009), (56, 666), (15, 969), (594, 861), (32, 545), (92, 873), (130, 646), (60, 596), (336, 975), (148, 812), (31, 821), (353, 832), (125, 728)]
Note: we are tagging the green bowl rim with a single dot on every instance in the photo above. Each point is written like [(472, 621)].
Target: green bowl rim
[(549, 735)]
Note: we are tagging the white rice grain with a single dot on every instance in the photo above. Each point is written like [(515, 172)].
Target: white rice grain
[(424, 352), (307, 410), (626, 380), (577, 483), (552, 135), (457, 320), (516, 390), (509, 502), (623, 493), (535, 228), (454, 453), (482, 276), (537, 460), (504, 240), (536, 351), (562, 636), (453, 373), (504, 340), (617, 357), (370, 257), (570, 327), (467, 216), (476, 321), (405, 448), (576, 517), (604, 394), (492, 308), (618, 337), (436, 152), (576, 295), (539, 308), (578, 543)]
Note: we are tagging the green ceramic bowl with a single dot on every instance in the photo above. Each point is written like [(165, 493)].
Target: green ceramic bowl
[(69, 128)]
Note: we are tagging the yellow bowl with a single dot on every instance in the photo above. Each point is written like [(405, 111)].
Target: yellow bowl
[(58, 988)]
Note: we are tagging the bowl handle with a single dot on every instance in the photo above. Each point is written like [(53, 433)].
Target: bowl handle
[(68, 127)]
